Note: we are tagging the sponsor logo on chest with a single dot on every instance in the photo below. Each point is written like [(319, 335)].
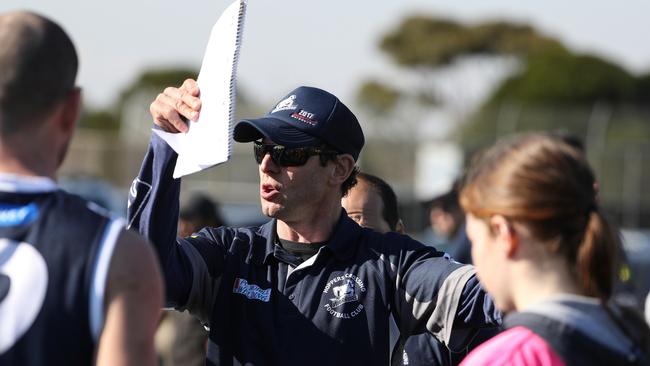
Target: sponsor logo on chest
[(251, 291), (11, 215)]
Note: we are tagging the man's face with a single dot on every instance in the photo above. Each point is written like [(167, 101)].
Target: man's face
[(364, 205), (292, 193)]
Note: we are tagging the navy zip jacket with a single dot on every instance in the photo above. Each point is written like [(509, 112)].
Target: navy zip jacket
[(331, 309)]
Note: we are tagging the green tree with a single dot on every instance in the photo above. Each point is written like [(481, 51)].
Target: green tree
[(433, 42), (553, 88), (550, 75), (102, 119)]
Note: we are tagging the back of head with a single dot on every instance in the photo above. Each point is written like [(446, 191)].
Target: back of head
[(389, 199), (39, 67), (547, 185), (448, 203), (201, 211)]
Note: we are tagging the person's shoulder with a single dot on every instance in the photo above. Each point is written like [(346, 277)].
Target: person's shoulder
[(391, 236), (239, 236), (133, 267), (78, 223), (393, 242), (127, 313), (131, 252), (75, 205), (517, 346)]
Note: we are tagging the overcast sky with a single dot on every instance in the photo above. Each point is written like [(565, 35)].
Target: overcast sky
[(330, 44)]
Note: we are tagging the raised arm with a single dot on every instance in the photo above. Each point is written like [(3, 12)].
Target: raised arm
[(192, 266), (153, 198), (132, 302)]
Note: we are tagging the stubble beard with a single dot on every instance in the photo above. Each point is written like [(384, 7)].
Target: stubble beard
[(272, 209)]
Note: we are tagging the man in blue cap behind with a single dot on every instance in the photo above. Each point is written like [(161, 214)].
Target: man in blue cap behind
[(311, 285)]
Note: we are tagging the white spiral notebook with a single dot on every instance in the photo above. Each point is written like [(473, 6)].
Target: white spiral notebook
[(208, 141)]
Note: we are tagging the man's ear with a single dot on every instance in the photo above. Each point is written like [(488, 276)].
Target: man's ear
[(507, 240), (71, 110), (343, 167)]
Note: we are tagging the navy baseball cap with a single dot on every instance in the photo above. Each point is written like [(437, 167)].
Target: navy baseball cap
[(306, 117)]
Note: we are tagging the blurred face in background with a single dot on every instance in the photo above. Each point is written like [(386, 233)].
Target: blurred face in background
[(187, 227), (443, 222), (365, 206)]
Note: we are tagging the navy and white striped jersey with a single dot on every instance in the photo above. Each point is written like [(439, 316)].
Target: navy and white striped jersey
[(332, 309), (55, 250)]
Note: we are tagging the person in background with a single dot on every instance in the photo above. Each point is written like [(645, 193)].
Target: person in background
[(543, 249), (76, 288), (447, 226), (372, 203), (197, 212), (181, 338)]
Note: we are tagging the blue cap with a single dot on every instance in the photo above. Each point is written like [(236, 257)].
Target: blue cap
[(306, 117)]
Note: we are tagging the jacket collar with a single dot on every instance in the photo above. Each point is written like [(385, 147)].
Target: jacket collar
[(342, 242), (26, 184)]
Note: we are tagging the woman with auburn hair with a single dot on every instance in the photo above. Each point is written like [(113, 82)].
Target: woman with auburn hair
[(546, 254)]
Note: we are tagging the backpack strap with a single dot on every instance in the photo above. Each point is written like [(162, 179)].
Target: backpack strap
[(573, 346)]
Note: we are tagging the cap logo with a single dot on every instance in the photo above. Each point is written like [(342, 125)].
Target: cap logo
[(306, 117), (286, 104)]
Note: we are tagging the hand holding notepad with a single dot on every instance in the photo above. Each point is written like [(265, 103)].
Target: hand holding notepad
[(208, 141)]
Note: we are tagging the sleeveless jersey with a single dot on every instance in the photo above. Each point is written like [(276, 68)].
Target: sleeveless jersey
[(55, 250)]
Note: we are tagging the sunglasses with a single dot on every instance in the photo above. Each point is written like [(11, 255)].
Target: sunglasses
[(285, 156)]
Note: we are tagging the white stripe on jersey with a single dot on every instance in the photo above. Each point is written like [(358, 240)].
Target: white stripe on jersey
[(100, 274)]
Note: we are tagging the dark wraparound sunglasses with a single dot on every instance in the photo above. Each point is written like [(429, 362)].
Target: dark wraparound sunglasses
[(285, 156)]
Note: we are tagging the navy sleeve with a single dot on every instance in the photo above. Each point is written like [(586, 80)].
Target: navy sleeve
[(476, 308), (191, 266), (439, 295), (477, 318)]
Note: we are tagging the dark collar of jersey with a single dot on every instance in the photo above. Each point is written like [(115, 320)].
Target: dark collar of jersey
[(342, 242), (296, 252)]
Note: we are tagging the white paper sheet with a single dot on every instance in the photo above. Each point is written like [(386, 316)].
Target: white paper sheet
[(208, 141)]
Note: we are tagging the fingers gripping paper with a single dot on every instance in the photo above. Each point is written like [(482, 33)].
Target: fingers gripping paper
[(208, 141)]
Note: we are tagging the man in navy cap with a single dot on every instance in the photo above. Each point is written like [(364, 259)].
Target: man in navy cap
[(311, 285)]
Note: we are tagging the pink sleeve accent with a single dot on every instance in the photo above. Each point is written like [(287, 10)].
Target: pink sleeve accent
[(515, 347)]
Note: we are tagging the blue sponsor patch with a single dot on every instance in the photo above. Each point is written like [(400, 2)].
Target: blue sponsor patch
[(13, 215), (253, 292)]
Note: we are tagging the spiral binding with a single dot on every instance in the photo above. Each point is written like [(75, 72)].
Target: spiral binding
[(233, 80)]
